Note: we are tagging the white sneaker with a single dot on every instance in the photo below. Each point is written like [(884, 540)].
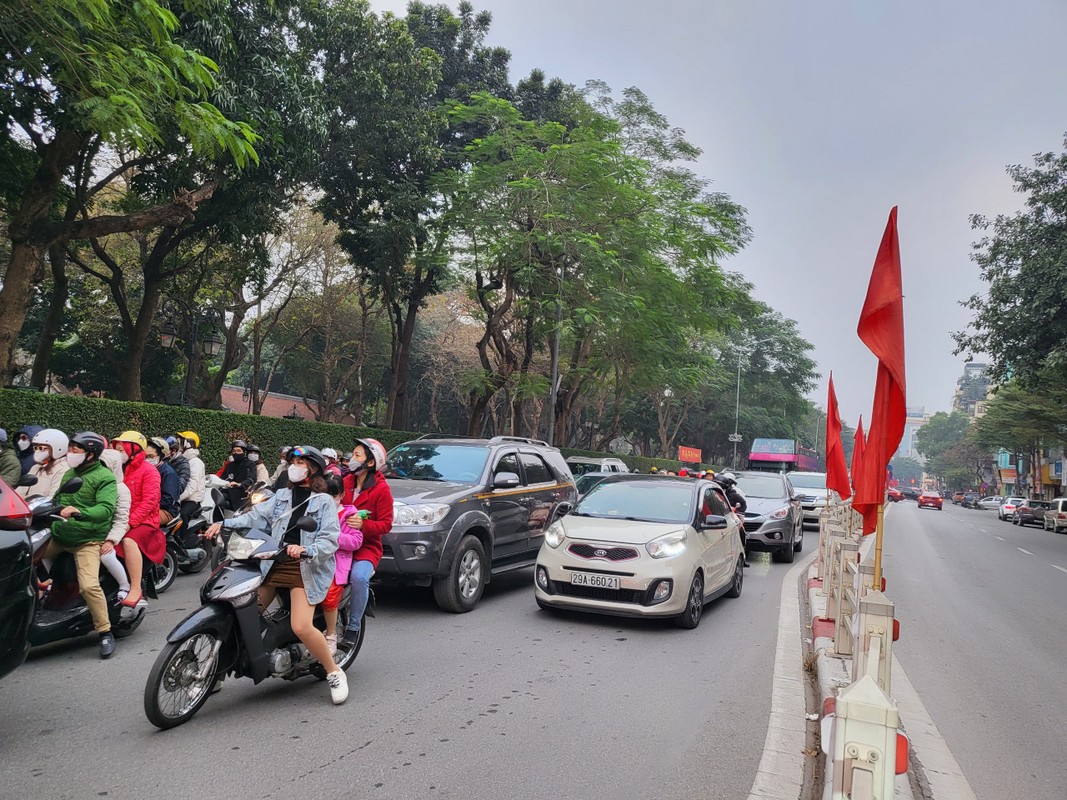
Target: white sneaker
[(338, 687)]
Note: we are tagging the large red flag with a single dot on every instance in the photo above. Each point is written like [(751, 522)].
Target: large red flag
[(881, 327), (836, 470)]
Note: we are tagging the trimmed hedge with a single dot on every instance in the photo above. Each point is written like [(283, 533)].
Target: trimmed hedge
[(217, 429)]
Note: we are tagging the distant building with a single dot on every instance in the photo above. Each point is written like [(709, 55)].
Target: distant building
[(972, 390), (917, 417)]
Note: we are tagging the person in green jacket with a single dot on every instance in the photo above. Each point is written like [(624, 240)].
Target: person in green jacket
[(9, 461), (86, 523)]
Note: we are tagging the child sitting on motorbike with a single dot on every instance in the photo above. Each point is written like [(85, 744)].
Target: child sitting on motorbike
[(309, 569), (350, 540)]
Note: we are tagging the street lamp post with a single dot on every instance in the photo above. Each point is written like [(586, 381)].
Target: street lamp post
[(735, 437), (211, 342)]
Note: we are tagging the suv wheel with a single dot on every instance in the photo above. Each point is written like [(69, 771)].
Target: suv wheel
[(460, 590), (798, 541), (784, 555)]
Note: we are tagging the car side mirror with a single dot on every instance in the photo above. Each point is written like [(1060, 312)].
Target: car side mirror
[(715, 522), (563, 509), (505, 480), (307, 524), (27, 480), (73, 485)]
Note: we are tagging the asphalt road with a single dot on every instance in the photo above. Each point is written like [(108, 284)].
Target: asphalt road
[(983, 610), (505, 702)]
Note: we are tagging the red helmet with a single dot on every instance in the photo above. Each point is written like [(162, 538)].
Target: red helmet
[(683, 473)]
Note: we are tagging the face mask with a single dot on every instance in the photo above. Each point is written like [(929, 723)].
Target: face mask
[(123, 455), (75, 460), (40, 456), (297, 473), (356, 466), (238, 456), (253, 457), (23, 445), (153, 461)]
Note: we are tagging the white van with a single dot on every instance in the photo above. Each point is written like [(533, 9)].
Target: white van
[(580, 465)]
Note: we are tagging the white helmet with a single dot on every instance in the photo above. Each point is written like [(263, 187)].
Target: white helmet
[(329, 452), (57, 440)]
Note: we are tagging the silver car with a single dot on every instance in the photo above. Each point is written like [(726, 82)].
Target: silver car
[(811, 489), (643, 547), (774, 519)]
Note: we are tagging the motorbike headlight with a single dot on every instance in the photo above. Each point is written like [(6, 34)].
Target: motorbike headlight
[(781, 513), (554, 535), (241, 547), (667, 546), (260, 496), (419, 513)]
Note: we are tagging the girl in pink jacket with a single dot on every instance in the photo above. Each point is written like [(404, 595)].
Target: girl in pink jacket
[(350, 540)]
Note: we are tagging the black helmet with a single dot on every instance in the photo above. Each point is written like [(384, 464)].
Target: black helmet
[(312, 454), (238, 443), (89, 442), (254, 448)]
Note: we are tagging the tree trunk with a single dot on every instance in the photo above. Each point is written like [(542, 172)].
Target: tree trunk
[(129, 387), (398, 397), (57, 257)]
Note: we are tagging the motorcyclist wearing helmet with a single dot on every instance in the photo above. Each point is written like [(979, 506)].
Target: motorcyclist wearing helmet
[(24, 445), (87, 514), (173, 457), (239, 473), (277, 478), (331, 460), (50, 462), (366, 490), (144, 536), (728, 482), (307, 580), (10, 466), (191, 499), (156, 455), (255, 455)]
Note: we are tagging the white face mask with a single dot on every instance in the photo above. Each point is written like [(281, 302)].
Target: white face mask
[(40, 456), (153, 461), (75, 460), (356, 466), (23, 445), (253, 456), (297, 473)]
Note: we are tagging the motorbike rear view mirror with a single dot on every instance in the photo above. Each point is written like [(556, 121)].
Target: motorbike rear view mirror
[(72, 485), (307, 524), (27, 480)]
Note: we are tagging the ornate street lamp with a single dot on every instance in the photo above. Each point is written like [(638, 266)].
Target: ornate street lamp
[(213, 343), (168, 335), (294, 414)]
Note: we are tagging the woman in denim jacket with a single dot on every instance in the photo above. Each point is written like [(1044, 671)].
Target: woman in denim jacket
[(309, 572)]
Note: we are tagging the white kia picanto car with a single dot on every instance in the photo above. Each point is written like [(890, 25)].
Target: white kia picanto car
[(643, 546)]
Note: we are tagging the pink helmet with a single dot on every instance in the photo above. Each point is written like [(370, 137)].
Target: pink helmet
[(376, 450)]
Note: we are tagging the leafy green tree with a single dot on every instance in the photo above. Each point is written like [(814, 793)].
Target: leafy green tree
[(1023, 422), (942, 431), (79, 70), (907, 471), (1020, 319)]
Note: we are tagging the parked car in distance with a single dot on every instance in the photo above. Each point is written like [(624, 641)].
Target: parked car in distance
[(587, 481), (579, 465), (894, 494), (957, 497), (774, 519), (989, 503), (930, 500), (1007, 508), (811, 490), (468, 509), (1055, 516), (1030, 512), (970, 500), (643, 546), (16, 578)]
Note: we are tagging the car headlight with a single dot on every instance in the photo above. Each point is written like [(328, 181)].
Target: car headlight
[(667, 546), (554, 536), (781, 513), (419, 514)]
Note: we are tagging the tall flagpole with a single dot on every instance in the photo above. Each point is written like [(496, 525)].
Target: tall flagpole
[(878, 548)]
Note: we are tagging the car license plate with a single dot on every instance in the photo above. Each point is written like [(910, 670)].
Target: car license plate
[(596, 581)]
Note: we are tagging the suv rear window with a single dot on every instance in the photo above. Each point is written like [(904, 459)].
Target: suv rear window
[(437, 462)]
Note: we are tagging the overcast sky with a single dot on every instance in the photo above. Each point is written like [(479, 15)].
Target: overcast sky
[(820, 116)]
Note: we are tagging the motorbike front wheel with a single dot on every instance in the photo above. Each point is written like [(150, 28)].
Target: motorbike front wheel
[(180, 680)]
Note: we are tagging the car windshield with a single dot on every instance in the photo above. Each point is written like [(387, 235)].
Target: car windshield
[(437, 462), (761, 486), (811, 480), (648, 501), (587, 482)]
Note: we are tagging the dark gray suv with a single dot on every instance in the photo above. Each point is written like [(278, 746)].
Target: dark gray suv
[(468, 509)]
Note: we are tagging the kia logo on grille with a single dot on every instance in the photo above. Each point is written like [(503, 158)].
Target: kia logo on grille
[(600, 553)]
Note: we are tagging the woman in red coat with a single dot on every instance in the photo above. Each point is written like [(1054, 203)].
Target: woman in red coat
[(144, 535), (366, 490)]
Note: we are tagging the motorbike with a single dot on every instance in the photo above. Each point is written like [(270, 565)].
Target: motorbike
[(184, 552), (229, 635), (60, 611)]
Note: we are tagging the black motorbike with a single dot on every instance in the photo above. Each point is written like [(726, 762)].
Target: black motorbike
[(228, 635), (60, 611), (185, 552)]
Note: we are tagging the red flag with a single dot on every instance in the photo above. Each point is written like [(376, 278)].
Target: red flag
[(836, 470), (857, 452), (881, 327)]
